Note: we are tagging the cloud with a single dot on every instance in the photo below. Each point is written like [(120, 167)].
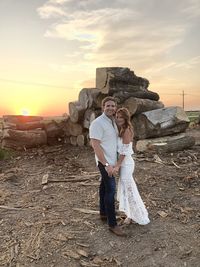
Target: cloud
[(119, 32), (190, 64), (59, 1), (192, 9), (48, 11)]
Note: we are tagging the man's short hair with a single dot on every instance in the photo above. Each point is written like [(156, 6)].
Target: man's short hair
[(108, 98)]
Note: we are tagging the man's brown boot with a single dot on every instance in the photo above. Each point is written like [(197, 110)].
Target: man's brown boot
[(117, 230), (103, 218)]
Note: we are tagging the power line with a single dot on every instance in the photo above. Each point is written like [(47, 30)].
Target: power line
[(63, 87), (179, 94), (33, 83), (167, 94)]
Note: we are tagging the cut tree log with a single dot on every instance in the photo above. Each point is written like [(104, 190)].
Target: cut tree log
[(122, 96), (160, 122), (8, 125), (166, 144), (81, 140), (54, 132), (53, 129), (86, 120), (21, 119), (76, 111), (66, 139), (99, 99), (89, 116), (109, 78), (88, 98), (30, 125), (87, 142), (73, 140), (137, 105), (1, 137), (64, 125), (24, 126), (128, 88), (16, 139), (75, 129)]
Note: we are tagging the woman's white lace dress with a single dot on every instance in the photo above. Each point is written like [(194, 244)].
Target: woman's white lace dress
[(130, 201)]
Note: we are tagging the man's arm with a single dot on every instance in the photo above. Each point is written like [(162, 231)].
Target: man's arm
[(100, 154), (98, 150)]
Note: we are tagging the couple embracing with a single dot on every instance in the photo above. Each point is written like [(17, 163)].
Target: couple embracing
[(111, 137)]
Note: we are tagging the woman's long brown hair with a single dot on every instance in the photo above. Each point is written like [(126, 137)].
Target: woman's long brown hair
[(127, 124)]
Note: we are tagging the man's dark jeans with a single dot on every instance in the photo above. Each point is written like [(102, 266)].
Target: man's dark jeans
[(107, 196)]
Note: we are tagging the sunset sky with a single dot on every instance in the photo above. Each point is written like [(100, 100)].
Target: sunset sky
[(49, 50)]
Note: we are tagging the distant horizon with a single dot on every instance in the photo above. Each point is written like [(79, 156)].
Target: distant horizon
[(67, 114)]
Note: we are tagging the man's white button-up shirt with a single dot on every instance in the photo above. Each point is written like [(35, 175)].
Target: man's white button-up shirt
[(105, 130)]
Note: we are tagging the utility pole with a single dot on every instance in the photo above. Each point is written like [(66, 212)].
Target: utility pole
[(183, 95)]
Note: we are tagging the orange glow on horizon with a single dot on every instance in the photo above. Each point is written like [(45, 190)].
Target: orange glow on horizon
[(36, 101), (29, 110)]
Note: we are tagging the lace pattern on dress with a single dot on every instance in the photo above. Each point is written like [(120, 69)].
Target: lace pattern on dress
[(124, 149), (129, 197)]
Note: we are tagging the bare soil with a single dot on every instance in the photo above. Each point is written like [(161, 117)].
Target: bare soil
[(57, 223)]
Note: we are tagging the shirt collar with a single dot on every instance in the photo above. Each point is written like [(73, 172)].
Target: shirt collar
[(107, 118), (112, 121)]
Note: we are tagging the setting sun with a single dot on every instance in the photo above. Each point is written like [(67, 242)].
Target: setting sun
[(25, 112)]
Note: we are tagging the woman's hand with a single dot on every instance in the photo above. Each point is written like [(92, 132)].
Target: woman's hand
[(116, 169), (109, 170)]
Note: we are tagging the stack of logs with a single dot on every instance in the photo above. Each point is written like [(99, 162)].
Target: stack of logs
[(21, 132), (149, 117), (155, 126)]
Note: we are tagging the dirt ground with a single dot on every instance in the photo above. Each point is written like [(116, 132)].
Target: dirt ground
[(56, 224)]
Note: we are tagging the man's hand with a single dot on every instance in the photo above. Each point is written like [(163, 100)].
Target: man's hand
[(109, 170)]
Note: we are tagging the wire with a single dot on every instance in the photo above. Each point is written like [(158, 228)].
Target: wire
[(63, 87), (33, 83), (179, 94)]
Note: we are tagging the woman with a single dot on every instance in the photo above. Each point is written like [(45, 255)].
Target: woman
[(128, 196)]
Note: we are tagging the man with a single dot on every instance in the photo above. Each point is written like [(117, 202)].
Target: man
[(103, 134)]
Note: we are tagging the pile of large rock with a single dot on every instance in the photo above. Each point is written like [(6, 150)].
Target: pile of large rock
[(155, 126)]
